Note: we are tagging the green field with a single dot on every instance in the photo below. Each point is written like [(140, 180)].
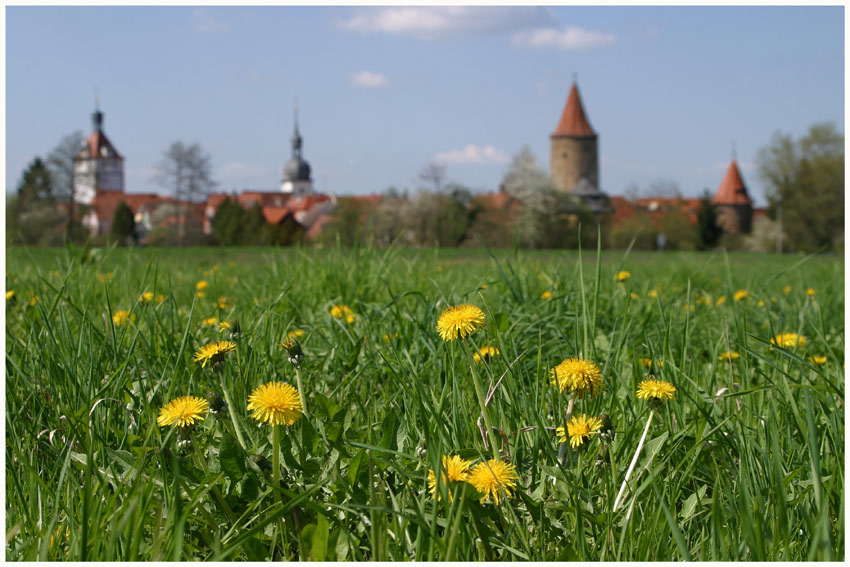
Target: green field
[(745, 463)]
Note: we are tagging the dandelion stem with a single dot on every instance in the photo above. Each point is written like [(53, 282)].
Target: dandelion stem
[(481, 401), (276, 463), (301, 391), (634, 460), (562, 450), (232, 411)]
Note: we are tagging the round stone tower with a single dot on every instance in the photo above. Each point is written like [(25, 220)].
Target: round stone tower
[(733, 204), (574, 148)]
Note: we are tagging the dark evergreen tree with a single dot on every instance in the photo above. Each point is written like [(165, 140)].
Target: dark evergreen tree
[(227, 223), (123, 229), (252, 226), (34, 186), (37, 218), (709, 230)]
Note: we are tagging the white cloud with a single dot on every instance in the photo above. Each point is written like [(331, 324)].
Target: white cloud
[(430, 22), (570, 38), (472, 154), (368, 80), (204, 22)]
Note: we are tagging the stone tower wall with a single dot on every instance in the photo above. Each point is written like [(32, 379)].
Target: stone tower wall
[(735, 219), (573, 158)]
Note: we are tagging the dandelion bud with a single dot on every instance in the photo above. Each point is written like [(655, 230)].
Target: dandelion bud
[(606, 432), (217, 405), (293, 349), (235, 331)]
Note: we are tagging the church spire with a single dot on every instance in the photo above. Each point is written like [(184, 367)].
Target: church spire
[(97, 115), (296, 136)]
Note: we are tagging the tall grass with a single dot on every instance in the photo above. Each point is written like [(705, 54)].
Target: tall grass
[(746, 463)]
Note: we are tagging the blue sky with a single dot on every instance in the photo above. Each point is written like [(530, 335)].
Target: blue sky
[(384, 90)]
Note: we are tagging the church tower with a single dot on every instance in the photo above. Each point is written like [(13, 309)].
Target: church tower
[(296, 173), (733, 204), (574, 158), (98, 167)]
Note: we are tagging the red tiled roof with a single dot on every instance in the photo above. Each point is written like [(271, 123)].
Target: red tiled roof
[(96, 143), (275, 215), (654, 208), (264, 198), (732, 190), (499, 200), (573, 120), (306, 203)]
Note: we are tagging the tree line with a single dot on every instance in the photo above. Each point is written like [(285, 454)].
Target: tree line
[(803, 179)]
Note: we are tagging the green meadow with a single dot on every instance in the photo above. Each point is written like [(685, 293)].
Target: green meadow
[(744, 463)]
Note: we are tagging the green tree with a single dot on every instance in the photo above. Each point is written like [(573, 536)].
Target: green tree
[(38, 220), (709, 230), (804, 182), (123, 229), (227, 223)]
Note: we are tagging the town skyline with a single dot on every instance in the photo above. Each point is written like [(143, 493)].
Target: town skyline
[(373, 121)]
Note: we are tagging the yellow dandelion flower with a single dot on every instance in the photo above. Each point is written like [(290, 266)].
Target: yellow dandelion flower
[(183, 411), (819, 360), (811, 291), (223, 302), (276, 403), (389, 337), (213, 352), (10, 294), (656, 390), (622, 276), (786, 290), (789, 340), (209, 322), (648, 362), (577, 375), (223, 326), (160, 298), (342, 312), (122, 317), (546, 295), (579, 430), (200, 294), (460, 321), (633, 295), (720, 300), (741, 294), (485, 353), (295, 334), (33, 300), (653, 293), (760, 303), (202, 285), (146, 297), (454, 469), (729, 355), (493, 477)]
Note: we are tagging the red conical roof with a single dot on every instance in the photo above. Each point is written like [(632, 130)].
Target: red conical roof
[(732, 190), (573, 120), (98, 146)]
